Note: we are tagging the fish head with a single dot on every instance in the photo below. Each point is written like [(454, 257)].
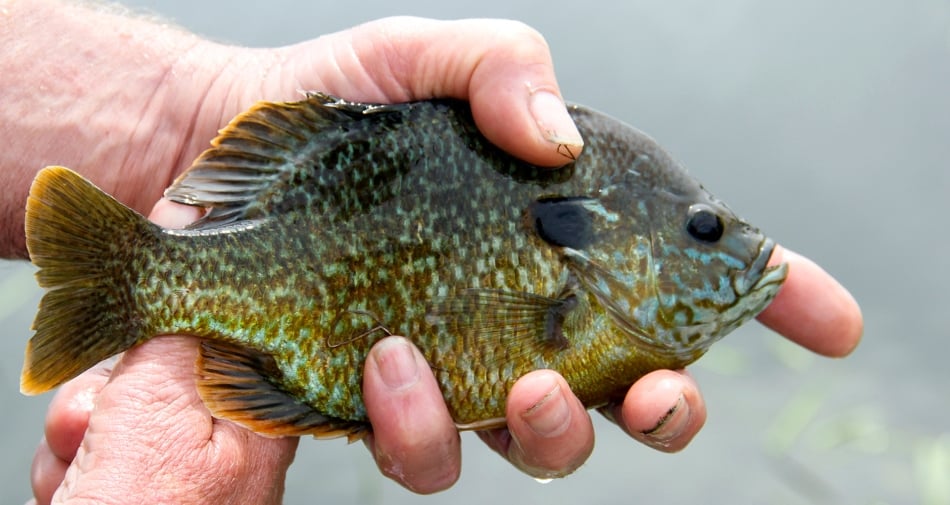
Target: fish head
[(672, 266)]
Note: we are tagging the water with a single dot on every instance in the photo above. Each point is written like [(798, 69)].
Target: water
[(823, 122)]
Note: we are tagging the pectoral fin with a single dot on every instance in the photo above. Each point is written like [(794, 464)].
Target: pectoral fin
[(239, 384), (523, 323)]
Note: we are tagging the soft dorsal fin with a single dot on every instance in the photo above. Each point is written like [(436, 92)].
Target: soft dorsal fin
[(237, 384), (258, 154)]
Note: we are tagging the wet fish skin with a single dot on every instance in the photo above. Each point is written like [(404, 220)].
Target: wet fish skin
[(334, 224)]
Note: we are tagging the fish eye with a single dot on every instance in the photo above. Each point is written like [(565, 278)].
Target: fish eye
[(704, 224)]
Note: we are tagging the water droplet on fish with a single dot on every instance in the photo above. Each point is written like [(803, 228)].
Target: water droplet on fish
[(542, 481)]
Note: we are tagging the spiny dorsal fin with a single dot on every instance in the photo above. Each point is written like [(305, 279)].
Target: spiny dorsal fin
[(237, 384), (257, 155)]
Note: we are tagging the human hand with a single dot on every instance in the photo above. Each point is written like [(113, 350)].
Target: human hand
[(549, 433)]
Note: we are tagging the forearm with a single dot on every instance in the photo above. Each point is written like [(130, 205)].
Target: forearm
[(98, 91)]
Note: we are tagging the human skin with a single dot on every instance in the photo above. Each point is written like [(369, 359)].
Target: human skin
[(129, 103)]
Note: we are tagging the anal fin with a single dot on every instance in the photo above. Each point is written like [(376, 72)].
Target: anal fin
[(238, 384)]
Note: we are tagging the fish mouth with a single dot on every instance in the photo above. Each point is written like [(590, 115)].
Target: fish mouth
[(759, 276)]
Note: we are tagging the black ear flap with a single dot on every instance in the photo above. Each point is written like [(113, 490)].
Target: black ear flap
[(563, 221)]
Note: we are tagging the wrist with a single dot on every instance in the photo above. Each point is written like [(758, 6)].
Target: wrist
[(111, 96)]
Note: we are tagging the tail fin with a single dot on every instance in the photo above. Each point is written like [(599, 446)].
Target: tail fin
[(81, 240)]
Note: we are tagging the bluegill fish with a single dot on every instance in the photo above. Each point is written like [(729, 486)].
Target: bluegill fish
[(332, 224)]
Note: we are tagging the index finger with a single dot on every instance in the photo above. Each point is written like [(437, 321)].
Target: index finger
[(813, 309)]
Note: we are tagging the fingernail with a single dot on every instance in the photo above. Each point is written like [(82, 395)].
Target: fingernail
[(550, 416), (671, 425), (396, 363), (554, 123)]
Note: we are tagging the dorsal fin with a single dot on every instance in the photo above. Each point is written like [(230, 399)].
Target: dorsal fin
[(258, 153)]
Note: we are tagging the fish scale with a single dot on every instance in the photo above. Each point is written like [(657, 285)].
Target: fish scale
[(332, 225)]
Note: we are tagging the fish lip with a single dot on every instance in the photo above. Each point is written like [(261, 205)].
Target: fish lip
[(759, 271)]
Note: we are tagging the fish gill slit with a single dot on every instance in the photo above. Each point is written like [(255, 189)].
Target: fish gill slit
[(651, 269)]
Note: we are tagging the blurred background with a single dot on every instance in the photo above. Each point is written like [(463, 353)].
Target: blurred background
[(824, 122)]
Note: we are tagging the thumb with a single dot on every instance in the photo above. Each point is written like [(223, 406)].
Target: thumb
[(150, 437), (503, 68)]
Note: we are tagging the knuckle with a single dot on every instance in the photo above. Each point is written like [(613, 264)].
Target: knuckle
[(511, 35)]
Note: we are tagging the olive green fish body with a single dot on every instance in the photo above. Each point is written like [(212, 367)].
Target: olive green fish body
[(332, 225)]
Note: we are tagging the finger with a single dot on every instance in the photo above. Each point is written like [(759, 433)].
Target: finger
[(664, 410), (414, 439), (174, 215), (154, 381), (131, 426), (507, 75), (258, 463), (549, 432), (813, 309), (46, 473), (66, 421), (150, 423), (68, 413)]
